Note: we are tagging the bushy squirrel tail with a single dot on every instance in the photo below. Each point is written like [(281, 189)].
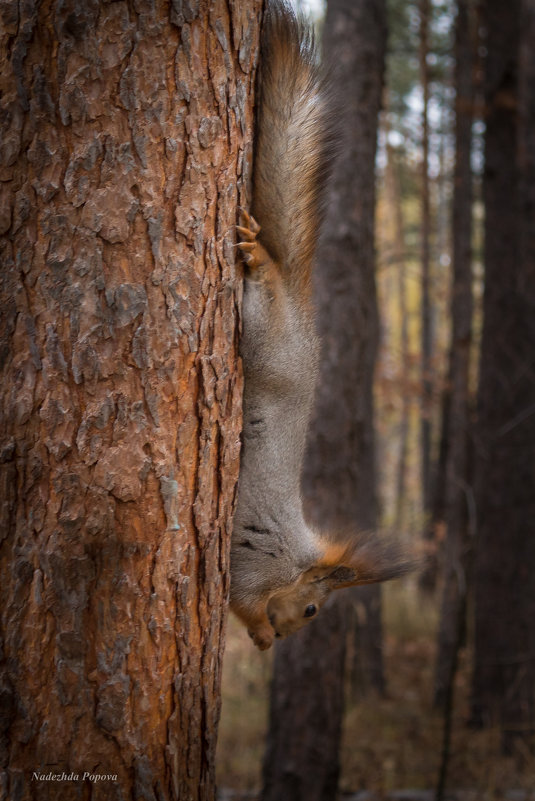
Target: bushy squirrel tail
[(295, 140)]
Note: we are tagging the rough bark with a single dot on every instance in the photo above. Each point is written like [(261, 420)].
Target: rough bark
[(339, 473), (504, 675), (126, 131), (458, 493)]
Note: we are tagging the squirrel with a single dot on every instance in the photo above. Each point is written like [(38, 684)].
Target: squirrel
[(281, 570)]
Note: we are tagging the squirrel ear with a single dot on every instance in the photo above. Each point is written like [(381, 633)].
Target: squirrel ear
[(366, 559), (343, 576)]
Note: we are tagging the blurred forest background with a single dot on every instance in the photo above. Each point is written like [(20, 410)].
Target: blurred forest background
[(433, 684)]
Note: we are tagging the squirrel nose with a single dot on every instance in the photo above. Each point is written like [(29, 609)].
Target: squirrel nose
[(277, 635)]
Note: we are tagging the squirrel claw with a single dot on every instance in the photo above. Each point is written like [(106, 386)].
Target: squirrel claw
[(253, 260), (252, 252), (247, 234), (249, 222)]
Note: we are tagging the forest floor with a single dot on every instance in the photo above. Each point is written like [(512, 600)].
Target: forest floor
[(390, 743)]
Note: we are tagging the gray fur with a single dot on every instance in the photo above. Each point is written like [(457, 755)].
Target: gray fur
[(280, 367)]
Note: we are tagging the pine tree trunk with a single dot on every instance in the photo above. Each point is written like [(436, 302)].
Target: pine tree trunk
[(458, 493), (426, 332), (504, 674), (126, 129), (339, 473), (428, 579), (339, 477), (306, 706), (394, 190)]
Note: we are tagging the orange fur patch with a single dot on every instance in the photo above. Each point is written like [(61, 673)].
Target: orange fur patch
[(335, 553)]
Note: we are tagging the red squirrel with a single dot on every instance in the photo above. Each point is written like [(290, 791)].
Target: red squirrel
[(281, 570)]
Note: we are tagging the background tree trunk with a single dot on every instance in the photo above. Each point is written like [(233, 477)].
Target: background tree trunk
[(457, 490), (306, 707), (429, 576), (392, 180), (431, 489), (504, 674), (339, 473), (426, 332), (126, 130)]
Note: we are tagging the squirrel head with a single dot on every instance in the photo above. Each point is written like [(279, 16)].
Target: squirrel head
[(364, 560)]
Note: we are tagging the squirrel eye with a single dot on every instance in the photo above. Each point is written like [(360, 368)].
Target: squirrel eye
[(310, 611)]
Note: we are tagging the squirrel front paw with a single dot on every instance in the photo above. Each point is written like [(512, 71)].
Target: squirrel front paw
[(262, 636), (251, 609)]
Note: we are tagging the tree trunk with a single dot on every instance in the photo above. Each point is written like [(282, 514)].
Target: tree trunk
[(339, 473), (396, 203), (306, 706), (457, 491), (504, 675), (428, 579), (126, 129), (426, 332)]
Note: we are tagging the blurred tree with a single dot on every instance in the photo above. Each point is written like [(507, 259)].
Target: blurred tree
[(436, 391), (418, 79), (401, 67), (393, 187), (339, 472), (504, 666), (426, 330), (124, 137), (458, 492)]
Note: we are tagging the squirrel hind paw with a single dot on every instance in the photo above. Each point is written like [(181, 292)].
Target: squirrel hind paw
[(252, 252), (248, 221), (247, 247), (254, 255), (247, 234), (249, 258)]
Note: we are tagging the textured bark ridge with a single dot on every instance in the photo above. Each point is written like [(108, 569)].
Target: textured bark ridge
[(125, 137)]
